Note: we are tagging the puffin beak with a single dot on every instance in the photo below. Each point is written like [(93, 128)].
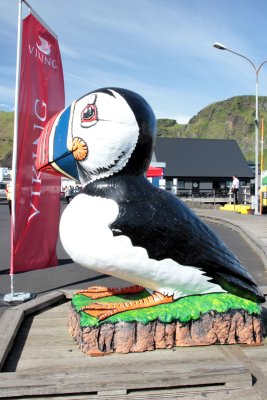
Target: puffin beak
[(54, 150)]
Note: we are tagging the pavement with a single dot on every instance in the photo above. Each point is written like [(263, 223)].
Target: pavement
[(253, 228)]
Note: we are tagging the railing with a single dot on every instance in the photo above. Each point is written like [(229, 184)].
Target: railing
[(203, 193), (212, 195)]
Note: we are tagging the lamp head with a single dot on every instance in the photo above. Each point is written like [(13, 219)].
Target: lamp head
[(219, 46)]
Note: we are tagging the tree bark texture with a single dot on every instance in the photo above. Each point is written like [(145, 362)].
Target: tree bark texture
[(235, 326)]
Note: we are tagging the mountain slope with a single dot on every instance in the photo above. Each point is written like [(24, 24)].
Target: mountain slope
[(6, 134), (229, 119)]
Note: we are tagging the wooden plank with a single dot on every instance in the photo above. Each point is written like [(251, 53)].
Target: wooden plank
[(91, 381), (41, 302), (209, 394), (125, 363), (12, 319), (260, 385), (69, 365), (58, 355), (9, 326), (69, 292)]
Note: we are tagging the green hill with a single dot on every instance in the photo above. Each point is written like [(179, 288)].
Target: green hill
[(6, 138), (229, 119)]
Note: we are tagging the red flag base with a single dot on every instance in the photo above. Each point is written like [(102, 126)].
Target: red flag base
[(17, 297)]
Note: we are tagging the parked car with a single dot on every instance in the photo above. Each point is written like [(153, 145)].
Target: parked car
[(71, 192), (3, 190)]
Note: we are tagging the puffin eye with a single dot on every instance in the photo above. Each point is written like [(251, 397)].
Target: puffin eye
[(89, 116), (89, 113)]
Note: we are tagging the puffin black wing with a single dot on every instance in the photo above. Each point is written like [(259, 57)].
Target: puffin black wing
[(167, 228)]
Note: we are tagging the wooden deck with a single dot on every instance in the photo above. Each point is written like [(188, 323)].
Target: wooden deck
[(43, 362)]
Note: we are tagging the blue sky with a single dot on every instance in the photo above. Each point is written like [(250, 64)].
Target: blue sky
[(162, 49)]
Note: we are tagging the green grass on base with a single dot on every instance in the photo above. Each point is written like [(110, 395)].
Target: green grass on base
[(184, 309)]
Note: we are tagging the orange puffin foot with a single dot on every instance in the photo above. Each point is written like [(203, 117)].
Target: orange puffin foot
[(98, 292), (105, 310)]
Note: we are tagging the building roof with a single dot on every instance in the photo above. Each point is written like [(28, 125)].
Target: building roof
[(201, 158)]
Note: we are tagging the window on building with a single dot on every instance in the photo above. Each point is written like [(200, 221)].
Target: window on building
[(168, 185), (195, 185), (180, 184), (219, 185)]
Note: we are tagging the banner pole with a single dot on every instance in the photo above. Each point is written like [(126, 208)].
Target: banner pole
[(15, 141), (11, 297), (12, 285), (16, 116)]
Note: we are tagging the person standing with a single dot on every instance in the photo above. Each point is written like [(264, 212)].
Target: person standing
[(69, 194), (9, 196), (235, 188)]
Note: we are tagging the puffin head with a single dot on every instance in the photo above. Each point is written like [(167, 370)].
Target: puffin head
[(108, 131)]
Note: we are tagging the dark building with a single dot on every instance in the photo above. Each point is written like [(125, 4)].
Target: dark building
[(202, 164)]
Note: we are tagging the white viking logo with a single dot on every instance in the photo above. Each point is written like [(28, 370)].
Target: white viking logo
[(44, 47)]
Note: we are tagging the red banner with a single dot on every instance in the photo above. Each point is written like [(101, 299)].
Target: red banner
[(37, 195)]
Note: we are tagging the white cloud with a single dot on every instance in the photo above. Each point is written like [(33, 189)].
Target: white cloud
[(182, 119), (6, 107), (68, 52), (7, 92)]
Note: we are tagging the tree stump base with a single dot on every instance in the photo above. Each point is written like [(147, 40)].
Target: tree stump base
[(231, 327)]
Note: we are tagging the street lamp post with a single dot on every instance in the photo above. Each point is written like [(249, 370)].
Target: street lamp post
[(257, 70)]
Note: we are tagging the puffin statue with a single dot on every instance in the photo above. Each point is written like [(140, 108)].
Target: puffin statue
[(122, 225)]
